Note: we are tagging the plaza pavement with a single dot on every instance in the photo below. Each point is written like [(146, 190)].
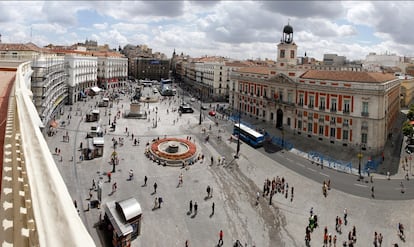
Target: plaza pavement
[(234, 187)]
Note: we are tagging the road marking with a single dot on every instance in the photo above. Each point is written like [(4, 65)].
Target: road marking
[(299, 164), (312, 169), (289, 159), (323, 174), (361, 185)]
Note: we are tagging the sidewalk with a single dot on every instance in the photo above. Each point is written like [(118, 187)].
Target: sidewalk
[(311, 144)]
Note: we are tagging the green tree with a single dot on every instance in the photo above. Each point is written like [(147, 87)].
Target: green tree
[(407, 129)]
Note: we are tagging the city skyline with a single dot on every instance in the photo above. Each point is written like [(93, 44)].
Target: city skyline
[(240, 30)]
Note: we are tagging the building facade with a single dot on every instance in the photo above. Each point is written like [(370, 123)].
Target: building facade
[(112, 70), (151, 68), (349, 108), (49, 85), (82, 74)]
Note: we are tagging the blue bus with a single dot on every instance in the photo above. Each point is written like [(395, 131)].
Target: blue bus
[(248, 135)]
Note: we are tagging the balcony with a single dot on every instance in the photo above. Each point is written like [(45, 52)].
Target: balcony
[(332, 110), (300, 104), (322, 108), (332, 122), (310, 106), (26, 159), (321, 120), (364, 114), (363, 127), (346, 112)]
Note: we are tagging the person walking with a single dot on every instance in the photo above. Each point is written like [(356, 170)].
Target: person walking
[(212, 208), (145, 180), (191, 206), (186, 243), (345, 216), (220, 242), (195, 208), (159, 201), (372, 191), (109, 176), (155, 187)]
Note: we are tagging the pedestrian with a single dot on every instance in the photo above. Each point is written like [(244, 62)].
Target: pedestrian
[(156, 202), (220, 242), (257, 198), (208, 191), (270, 198), (155, 187), (345, 216), (131, 174), (93, 184), (372, 191), (114, 187), (145, 180), (159, 201), (212, 208), (186, 243), (191, 206), (195, 207), (90, 195), (380, 239), (109, 176)]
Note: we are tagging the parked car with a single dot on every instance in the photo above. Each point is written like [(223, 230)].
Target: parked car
[(185, 109), (212, 113), (203, 108)]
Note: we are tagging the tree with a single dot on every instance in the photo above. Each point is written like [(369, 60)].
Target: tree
[(407, 129)]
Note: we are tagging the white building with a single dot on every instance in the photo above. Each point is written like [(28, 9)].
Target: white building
[(49, 85), (112, 70), (376, 63), (82, 74)]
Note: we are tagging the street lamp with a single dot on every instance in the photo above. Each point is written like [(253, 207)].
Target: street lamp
[(199, 121), (156, 119), (283, 139), (359, 162)]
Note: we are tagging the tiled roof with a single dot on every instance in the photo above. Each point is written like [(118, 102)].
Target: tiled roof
[(19, 47), (351, 76), (255, 70)]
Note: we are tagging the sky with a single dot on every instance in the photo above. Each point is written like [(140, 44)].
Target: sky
[(234, 29)]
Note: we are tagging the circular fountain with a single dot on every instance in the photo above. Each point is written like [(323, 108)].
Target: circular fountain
[(174, 151)]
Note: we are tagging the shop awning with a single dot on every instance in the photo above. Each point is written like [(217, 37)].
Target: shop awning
[(98, 141), (95, 89), (130, 208), (53, 124)]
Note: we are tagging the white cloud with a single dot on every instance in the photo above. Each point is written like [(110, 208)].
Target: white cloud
[(100, 26), (240, 29)]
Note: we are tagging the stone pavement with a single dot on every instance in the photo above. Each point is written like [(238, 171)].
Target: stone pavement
[(234, 189), (393, 149)]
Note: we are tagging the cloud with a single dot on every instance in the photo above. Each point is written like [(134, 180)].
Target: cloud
[(305, 9), (49, 28), (100, 26)]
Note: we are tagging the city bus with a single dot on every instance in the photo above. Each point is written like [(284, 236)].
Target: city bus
[(248, 135)]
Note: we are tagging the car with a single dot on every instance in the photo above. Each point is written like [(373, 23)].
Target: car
[(185, 109), (203, 108), (212, 113), (192, 99)]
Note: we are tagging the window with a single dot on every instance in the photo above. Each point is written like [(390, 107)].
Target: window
[(282, 53), (333, 130), (320, 129), (280, 95), (301, 99), (322, 103), (345, 135), (251, 89), (309, 127), (346, 106), (346, 122), (364, 109), (364, 138), (264, 93), (292, 54), (311, 101), (290, 97), (299, 124), (333, 120), (333, 105)]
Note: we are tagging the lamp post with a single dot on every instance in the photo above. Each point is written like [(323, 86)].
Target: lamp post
[(359, 162), (283, 139), (156, 119), (199, 121)]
